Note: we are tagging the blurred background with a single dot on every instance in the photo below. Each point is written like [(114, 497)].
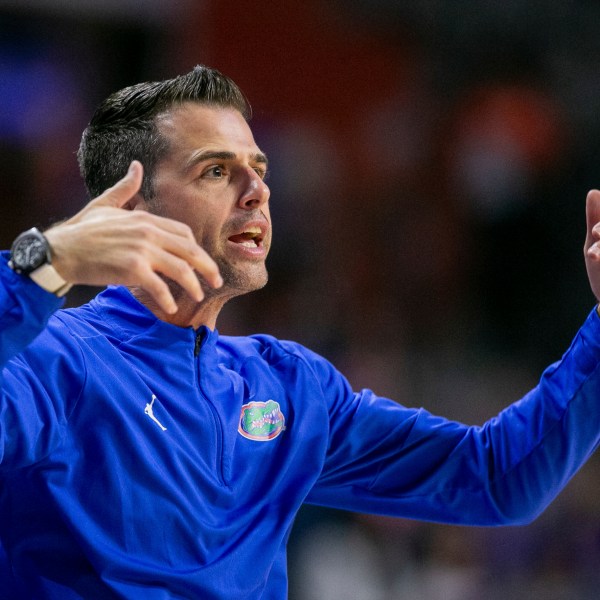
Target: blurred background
[(430, 161)]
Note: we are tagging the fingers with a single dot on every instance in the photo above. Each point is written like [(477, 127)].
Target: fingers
[(125, 189), (159, 290), (144, 268), (104, 244), (592, 241), (164, 237), (180, 242), (160, 245), (592, 215)]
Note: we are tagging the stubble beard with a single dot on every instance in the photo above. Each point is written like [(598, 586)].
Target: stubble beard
[(239, 276), (238, 280)]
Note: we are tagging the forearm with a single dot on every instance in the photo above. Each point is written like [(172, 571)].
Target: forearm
[(24, 310), (539, 443), (32, 384), (509, 470), (409, 463)]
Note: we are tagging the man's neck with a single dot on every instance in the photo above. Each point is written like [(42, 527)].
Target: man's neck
[(190, 313)]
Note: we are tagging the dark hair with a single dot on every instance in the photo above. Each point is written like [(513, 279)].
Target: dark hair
[(124, 128)]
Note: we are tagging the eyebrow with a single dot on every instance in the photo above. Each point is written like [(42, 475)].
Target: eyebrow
[(198, 157)]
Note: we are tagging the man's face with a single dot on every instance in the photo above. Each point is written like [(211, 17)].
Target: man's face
[(212, 179)]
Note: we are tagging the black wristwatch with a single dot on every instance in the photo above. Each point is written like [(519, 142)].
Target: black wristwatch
[(31, 255)]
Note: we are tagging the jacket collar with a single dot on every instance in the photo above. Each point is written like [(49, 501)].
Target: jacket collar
[(128, 319)]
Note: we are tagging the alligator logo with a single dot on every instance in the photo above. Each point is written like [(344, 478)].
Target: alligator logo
[(261, 421)]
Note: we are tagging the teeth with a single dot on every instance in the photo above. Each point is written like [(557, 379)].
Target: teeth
[(253, 230), (249, 244)]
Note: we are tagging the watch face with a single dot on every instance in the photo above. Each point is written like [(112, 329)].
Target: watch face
[(28, 253)]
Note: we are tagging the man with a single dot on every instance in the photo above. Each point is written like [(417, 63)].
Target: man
[(144, 456)]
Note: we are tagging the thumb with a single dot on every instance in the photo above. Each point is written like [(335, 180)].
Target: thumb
[(125, 189), (592, 216)]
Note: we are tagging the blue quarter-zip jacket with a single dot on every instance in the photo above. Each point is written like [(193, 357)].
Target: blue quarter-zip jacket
[(144, 460)]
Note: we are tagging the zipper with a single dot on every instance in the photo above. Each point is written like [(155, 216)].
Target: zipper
[(213, 411), (198, 342)]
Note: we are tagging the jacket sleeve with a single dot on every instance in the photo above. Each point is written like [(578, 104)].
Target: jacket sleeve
[(388, 459), (36, 377)]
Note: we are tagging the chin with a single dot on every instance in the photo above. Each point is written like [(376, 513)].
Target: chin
[(244, 280)]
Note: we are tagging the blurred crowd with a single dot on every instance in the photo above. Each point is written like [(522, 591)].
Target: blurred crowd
[(429, 165)]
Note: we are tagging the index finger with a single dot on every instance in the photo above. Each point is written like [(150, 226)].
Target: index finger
[(189, 250), (592, 215)]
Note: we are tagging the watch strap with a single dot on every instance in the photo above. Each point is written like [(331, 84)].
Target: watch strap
[(47, 277)]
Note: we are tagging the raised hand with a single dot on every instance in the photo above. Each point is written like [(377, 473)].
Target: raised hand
[(592, 241), (108, 243)]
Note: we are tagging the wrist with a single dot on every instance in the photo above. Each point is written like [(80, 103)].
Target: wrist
[(31, 256), (48, 278)]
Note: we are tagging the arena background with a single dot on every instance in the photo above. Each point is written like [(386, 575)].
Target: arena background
[(430, 161)]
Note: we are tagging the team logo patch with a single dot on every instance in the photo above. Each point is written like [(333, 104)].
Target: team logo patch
[(261, 421)]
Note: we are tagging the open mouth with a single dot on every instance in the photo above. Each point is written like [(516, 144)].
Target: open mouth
[(252, 237)]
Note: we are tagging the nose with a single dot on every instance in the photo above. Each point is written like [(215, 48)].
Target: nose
[(255, 192)]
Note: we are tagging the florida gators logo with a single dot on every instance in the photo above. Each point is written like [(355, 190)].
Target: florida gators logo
[(261, 421)]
